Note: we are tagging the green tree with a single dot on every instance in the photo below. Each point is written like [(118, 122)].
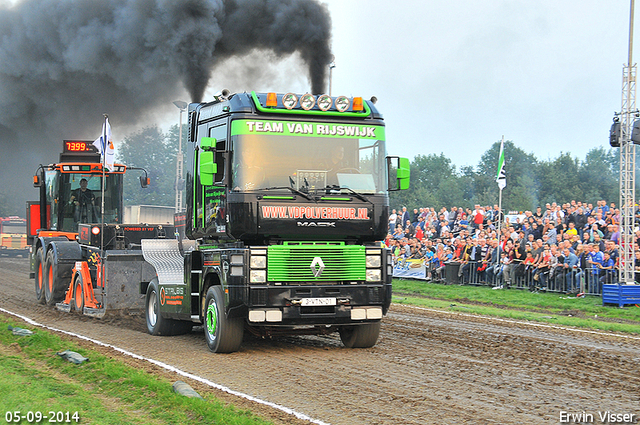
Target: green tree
[(559, 180), (7, 207), (599, 175), (520, 167), (434, 183), (148, 148)]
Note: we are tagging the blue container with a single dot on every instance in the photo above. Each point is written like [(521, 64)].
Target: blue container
[(620, 294)]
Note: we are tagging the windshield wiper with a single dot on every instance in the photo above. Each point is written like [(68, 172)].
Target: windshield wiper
[(294, 190), (353, 192)]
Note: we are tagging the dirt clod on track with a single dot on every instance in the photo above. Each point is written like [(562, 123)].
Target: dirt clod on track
[(427, 367)]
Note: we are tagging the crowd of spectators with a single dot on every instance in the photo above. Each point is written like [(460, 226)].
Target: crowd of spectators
[(576, 241)]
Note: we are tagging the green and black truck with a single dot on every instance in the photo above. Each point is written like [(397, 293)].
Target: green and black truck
[(287, 198)]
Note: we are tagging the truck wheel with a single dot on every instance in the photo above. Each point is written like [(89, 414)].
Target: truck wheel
[(54, 287), (78, 293), (223, 334), (156, 324), (360, 336), (39, 264)]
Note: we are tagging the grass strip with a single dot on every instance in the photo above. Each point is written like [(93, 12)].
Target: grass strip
[(587, 312), (102, 390)]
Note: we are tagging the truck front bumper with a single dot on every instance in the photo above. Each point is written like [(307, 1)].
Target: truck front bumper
[(316, 305)]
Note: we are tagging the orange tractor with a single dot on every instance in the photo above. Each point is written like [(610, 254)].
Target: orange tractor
[(76, 234)]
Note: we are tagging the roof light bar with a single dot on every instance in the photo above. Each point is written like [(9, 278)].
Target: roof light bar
[(272, 100), (358, 104), (313, 105)]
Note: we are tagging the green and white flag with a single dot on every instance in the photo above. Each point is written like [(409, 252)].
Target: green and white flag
[(501, 177)]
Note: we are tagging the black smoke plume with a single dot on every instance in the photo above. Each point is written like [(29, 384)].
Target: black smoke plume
[(65, 63)]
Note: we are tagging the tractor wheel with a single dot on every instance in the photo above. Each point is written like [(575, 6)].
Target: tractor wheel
[(39, 262), (78, 293), (223, 334), (360, 336), (54, 286)]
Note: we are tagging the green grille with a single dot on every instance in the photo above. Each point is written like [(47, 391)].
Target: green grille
[(292, 261)]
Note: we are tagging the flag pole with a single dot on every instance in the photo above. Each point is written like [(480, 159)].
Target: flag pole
[(104, 156), (501, 180)]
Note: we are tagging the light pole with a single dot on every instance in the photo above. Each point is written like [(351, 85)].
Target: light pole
[(179, 157)]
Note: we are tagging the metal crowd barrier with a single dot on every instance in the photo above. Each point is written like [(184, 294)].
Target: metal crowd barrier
[(553, 279)]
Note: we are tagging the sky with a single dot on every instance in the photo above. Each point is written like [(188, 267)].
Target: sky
[(455, 76)]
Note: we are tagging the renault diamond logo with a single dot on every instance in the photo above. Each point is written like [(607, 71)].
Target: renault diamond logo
[(317, 266)]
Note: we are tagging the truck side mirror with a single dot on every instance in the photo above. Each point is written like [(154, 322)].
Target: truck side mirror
[(37, 182), (144, 181), (404, 172), (207, 143), (401, 168), (207, 166)]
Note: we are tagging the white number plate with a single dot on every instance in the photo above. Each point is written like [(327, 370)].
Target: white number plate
[(318, 301)]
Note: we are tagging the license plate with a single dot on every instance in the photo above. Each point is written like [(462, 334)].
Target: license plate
[(318, 301)]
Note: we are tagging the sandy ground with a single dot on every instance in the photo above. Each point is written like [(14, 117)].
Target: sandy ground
[(427, 368)]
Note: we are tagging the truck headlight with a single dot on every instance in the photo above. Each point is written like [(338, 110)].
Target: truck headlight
[(237, 259), (373, 261), (258, 262), (258, 276), (236, 271), (374, 275)]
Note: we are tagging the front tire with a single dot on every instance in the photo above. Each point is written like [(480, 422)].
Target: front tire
[(223, 334), (39, 263), (360, 336)]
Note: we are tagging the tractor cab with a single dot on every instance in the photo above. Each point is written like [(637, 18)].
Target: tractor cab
[(76, 190)]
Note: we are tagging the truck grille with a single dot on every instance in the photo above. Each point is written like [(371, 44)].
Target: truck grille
[(292, 262), (14, 242)]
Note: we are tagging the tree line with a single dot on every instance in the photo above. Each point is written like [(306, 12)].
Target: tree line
[(531, 182)]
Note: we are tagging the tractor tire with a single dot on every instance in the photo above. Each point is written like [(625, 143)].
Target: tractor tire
[(223, 334), (360, 336), (55, 286), (156, 324), (78, 293), (39, 263)]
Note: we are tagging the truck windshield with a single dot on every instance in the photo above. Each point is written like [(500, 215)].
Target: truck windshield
[(309, 161), (13, 228), (80, 199)]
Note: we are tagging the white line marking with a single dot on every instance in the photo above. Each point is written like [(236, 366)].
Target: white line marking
[(174, 369)]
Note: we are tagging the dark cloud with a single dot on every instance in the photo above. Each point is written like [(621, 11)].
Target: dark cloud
[(65, 63)]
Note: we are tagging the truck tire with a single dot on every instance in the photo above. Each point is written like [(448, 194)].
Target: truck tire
[(360, 336), (39, 263), (156, 324), (54, 285), (223, 334)]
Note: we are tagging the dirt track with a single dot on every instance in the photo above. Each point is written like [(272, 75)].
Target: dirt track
[(427, 367)]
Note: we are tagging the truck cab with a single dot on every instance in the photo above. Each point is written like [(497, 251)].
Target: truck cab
[(287, 205)]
